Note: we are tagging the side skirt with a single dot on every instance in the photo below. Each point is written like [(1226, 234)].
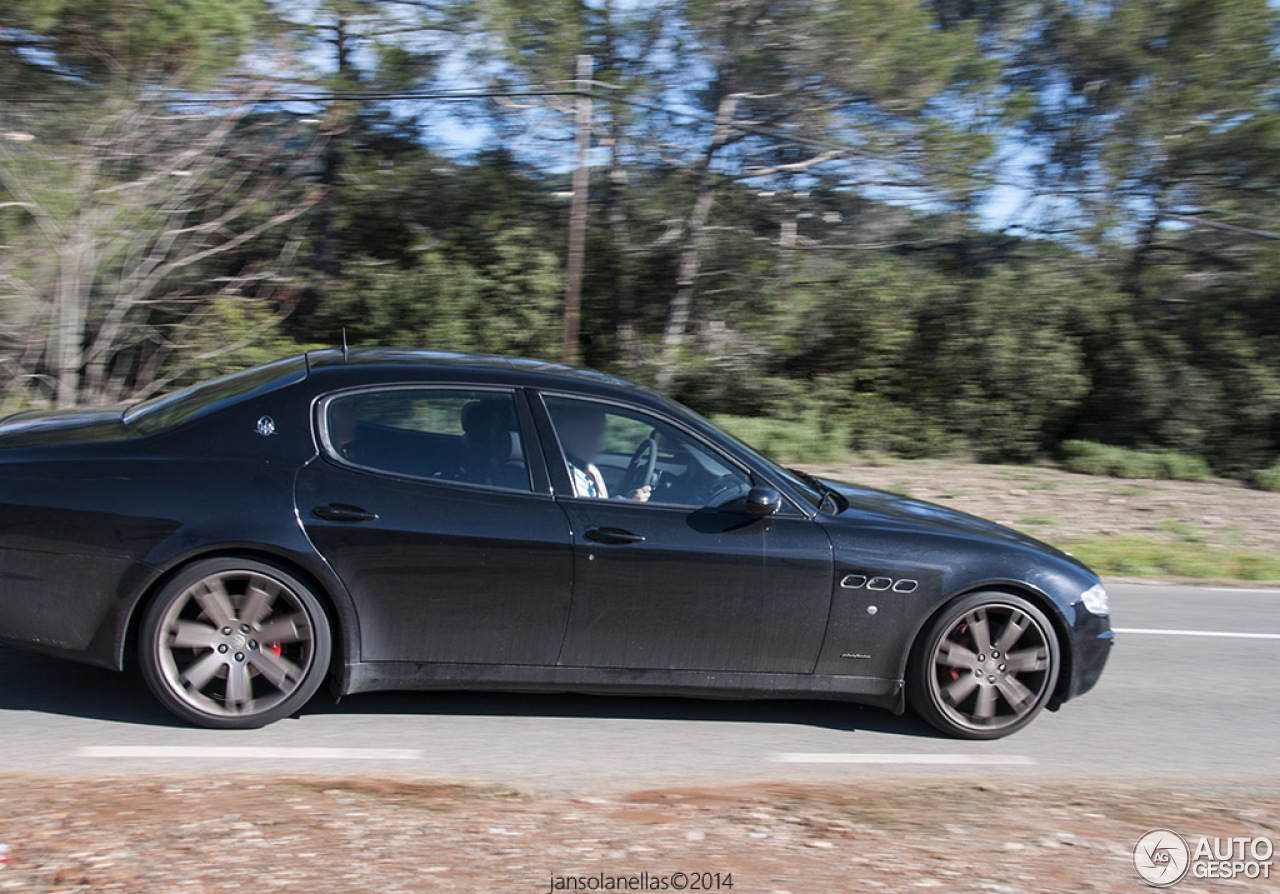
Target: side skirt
[(411, 675)]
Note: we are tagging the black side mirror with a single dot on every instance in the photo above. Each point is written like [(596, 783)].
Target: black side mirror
[(763, 502)]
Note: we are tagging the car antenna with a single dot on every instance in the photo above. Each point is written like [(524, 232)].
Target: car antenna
[(344, 344)]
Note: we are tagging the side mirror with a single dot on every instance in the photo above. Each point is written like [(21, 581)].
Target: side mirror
[(763, 502)]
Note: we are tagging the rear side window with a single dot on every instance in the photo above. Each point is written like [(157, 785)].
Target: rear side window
[(465, 436)]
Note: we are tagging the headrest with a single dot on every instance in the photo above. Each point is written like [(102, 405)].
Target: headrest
[(488, 425)]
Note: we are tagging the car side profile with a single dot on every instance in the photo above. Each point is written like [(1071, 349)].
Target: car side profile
[(387, 519)]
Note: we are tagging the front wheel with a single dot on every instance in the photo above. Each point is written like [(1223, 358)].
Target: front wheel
[(234, 644), (985, 667)]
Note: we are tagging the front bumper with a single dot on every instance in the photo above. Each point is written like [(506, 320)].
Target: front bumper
[(1091, 641)]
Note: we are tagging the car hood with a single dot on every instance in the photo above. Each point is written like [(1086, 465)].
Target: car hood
[(41, 428), (877, 507)]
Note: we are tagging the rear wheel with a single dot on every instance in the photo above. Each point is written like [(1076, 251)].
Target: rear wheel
[(234, 644), (985, 667)]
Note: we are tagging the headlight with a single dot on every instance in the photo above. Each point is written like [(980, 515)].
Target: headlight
[(1095, 600)]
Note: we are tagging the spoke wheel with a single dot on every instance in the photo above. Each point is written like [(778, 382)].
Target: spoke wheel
[(985, 667), (234, 644)]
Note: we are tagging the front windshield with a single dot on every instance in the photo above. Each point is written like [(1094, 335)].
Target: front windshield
[(169, 410), (799, 485)]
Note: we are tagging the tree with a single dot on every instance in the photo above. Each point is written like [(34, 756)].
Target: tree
[(67, 47), (535, 44), (123, 230), (852, 90)]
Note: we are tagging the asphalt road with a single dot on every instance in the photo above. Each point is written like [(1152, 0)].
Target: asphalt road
[(1191, 706)]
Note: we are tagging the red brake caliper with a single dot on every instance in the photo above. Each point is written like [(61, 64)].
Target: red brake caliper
[(964, 633)]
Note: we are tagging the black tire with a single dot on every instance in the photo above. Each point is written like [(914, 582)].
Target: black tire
[(234, 644), (985, 667)]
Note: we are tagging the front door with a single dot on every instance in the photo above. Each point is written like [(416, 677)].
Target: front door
[(421, 501), (669, 571)]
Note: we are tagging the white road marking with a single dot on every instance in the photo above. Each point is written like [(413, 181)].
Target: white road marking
[(233, 752), (805, 757), (1156, 632), (1267, 591)]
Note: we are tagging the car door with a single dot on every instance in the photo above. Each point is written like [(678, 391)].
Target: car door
[(422, 500), (684, 579)]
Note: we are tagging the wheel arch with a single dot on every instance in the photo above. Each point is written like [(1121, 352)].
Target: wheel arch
[(1034, 595), (342, 619)]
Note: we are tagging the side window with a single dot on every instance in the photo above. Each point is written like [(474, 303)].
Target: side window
[(441, 434), (620, 454)]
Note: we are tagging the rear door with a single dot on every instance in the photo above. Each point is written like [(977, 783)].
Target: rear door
[(424, 502)]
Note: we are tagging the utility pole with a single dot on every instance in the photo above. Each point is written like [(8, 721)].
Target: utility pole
[(577, 216)]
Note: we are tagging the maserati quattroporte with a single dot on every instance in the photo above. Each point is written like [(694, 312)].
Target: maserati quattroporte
[(414, 520)]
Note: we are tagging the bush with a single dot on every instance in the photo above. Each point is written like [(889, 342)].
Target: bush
[(878, 425), (1092, 458), (1268, 478), (808, 439)]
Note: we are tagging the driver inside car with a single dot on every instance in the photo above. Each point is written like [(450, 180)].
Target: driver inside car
[(581, 430)]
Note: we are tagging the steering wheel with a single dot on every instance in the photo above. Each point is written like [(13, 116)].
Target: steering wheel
[(641, 470)]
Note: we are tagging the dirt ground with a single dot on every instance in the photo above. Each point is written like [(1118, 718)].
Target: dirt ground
[(170, 836), (1061, 508)]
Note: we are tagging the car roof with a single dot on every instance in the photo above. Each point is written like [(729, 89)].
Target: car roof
[(493, 367)]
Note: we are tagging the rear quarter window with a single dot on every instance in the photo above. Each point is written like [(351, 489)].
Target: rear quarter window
[(171, 410)]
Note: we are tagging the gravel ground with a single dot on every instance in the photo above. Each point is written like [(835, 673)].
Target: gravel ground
[(158, 835)]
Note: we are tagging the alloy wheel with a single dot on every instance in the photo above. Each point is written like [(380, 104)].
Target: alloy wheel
[(235, 643), (992, 668)]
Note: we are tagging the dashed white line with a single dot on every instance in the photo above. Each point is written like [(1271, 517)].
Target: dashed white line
[(247, 752), (986, 760), (1152, 631)]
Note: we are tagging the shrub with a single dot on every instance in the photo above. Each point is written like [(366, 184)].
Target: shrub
[(1092, 458), (808, 439), (1268, 478), (878, 425)]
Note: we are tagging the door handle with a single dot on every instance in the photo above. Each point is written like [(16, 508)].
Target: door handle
[(613, 535), (343, 512)]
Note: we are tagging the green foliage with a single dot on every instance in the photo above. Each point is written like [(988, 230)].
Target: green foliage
[(809, 439), (511, 305), (1091, 458), (1268, 478), (131, 40), (1148, 557), (878, 425), (228, 336), (1011, 368)]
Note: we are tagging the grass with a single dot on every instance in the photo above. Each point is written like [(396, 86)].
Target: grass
[(1041, 520), (1092, 458), (1147, 557), (1185, 532)]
